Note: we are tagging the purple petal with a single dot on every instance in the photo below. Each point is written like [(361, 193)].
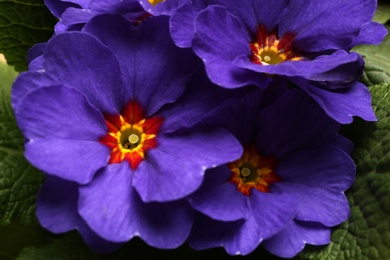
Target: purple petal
[(73, 160), (370, 33), (272, 211), (58, 7), (182, 23), (340, 67), (238, 238), (167, 7), (75, 16), (343, 104), (57, 212), (112, 208), (62, 133), (136, 49), (281, 137), (36, 51), (318, 178), (200, 98), (255, 12), (216, 190), (71, 58), (164, 225), (176, 167), (215, 44), (292, 239), (107, 203), (56, 205), (326, 25), (58, 112), (27, 82), (224, 39)]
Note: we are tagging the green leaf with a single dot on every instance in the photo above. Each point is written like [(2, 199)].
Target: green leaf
[(377, 68), (23, 23), (19, 181), (382, 14), (366, 234), (7, 76)]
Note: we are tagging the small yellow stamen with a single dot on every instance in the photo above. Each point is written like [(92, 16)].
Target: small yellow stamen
[(267, 58), (245, 172), (133, 138), (154, 2)]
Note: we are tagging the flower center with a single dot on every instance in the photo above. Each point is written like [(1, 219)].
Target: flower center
[(130, 135), (269, 48), (154, 2), (253, 171)]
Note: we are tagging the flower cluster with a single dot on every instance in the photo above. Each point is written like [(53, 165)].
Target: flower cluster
[(212, 122)]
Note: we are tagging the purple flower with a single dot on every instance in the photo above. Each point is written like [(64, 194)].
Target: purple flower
[(104, 118), (286, 190), (73, 14), (243, 42), (162, 7)]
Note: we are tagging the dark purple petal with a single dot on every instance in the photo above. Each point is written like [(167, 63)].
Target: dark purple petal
[(144, 53), (58, 112), (318, 178), (176, 167), (166, 7), (255, 12), (200, 98), (80, 61), (327, 24), (238, 237), (27, 82), (282, 137), (36, 64), (292, 239), (370, 33), (95, 242), (339, 67), (57, 212), (35, 51), (73, 160), (76, 15), (220, 199), (272, 211), (107, 203), (219, 44), (57, 7), (62, 133), (164, 225), (238, 115), (182, 23), (112, 208), (224, 39), (115, 6), (57, 204), (343, 104)]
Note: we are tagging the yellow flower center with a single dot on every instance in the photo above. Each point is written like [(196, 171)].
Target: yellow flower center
[(130, 135), (154, 2), (253, 171), (268, 48)]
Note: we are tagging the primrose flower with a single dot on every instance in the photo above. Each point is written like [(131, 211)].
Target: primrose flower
[(286, 190), (104, 118), (73, 14), (162, 7), (252, 41)]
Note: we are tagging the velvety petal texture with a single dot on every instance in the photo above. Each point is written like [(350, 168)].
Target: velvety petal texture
[(143, 62), (307, 195), (176, 168), (113, 209), (214, 122)]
